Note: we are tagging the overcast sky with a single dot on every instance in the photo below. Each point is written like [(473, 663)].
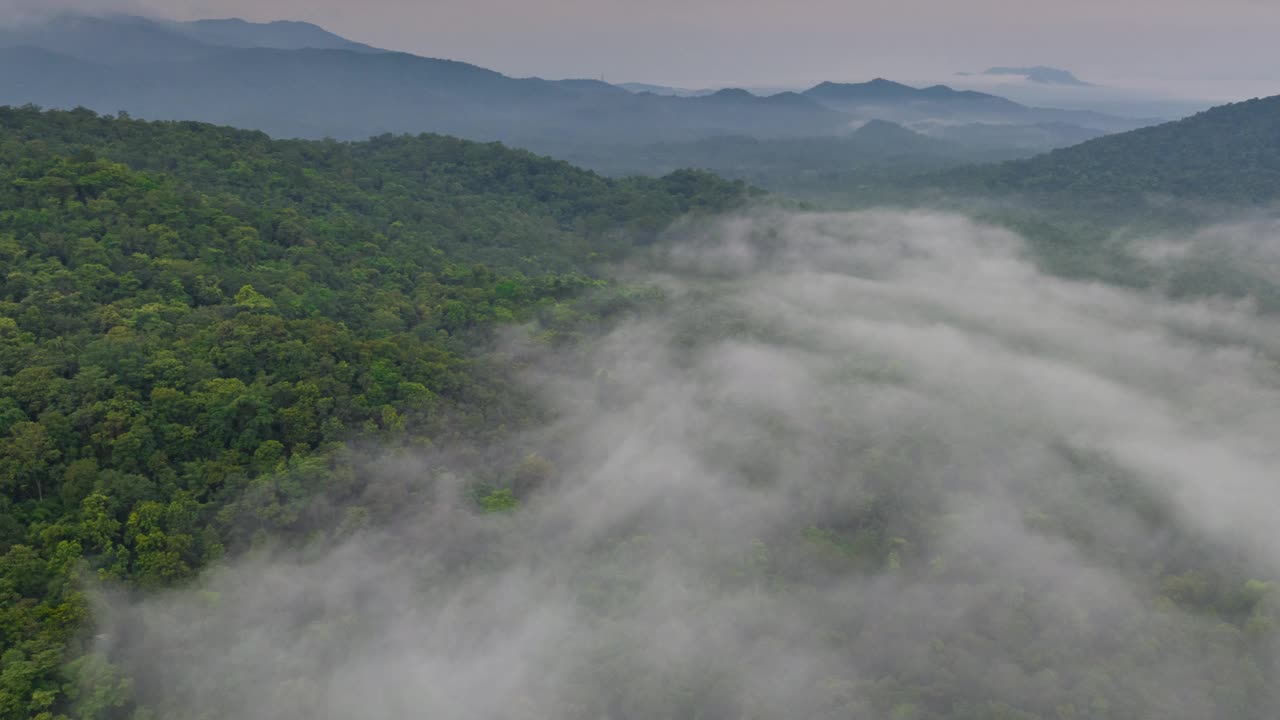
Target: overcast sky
[(1208, 48)]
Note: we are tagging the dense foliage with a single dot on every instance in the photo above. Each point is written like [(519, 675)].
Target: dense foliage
[(813, 168), (196, 322), (201, 327)]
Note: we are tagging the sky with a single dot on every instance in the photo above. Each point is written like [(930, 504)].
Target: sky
[(1221, 50)]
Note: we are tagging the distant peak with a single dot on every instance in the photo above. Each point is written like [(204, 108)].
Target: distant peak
[(875, 84), (1038, 74)]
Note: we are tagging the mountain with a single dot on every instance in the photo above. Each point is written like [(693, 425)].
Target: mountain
[(349, 95), (264, 451), (281, 35), (1229, 153), (31, 72), (816, 167), (112, 40), (882, 90), (1034, 137), (887, 100), (663, 90), (1039, 74), (129, 39), (297, 80)]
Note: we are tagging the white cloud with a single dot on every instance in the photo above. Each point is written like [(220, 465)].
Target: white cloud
[(858, 448)]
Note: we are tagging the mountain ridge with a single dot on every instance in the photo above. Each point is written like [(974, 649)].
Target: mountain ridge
[(1228, 153), (295, 79)]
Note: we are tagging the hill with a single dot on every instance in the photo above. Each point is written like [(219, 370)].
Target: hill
[(883, 443), (1229, 153), (195, 321), (887, 100), (1031, 138), (808, 167), (662, 89)]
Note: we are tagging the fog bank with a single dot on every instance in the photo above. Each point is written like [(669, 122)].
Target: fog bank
[(862, 464)]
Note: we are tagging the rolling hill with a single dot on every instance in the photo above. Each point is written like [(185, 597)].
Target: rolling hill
[(1228, 153), (800, 166), (888, 100), (198, 307)]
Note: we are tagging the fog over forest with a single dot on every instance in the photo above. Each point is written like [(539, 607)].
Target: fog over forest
[(854, 453), (479, 360)]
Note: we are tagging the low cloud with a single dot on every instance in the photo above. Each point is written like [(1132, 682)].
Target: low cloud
[(864, 464)]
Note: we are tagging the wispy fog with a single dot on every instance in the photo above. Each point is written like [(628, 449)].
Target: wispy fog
[(861, 464)]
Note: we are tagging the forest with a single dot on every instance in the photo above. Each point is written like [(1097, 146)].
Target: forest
[(197, 324), (1225, 155), (420, 426)]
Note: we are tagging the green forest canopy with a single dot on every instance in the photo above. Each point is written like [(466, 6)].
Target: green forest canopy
[(1229, 154), (195, 321), (199, 324)]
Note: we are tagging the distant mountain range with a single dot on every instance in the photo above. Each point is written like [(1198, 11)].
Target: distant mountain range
[(1037, 74), (664, 90), (298, 80), (888, 100), (124, 39), (790, 163), (295, 80)]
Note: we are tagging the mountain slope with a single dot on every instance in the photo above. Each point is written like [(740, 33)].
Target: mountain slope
[(37, 72), (807, 167), (129, 39), (280, 35), (1230, 153), (880, 90), (196, 320), (888, 100), (117, 39)]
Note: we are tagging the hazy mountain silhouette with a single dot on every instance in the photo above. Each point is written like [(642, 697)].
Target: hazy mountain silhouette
[(281, 35), (298, 80), (888, 100), (1039, 74)]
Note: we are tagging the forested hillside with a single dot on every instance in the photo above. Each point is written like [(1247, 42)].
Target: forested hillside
[(1230, 153), (798, 166), (195, 322), (271, 448)]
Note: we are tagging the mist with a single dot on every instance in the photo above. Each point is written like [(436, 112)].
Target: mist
[(869, 464)]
